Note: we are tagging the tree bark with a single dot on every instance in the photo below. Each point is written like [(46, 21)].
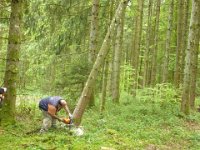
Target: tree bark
[(146, 71), (104, 86), (192, 48), (83, 100), (194, 55), (167, 45), (194, 71), (185, 37), (117, 59), (179, 42), (93, 42), (155, 49), (110, 74), (12, 61), (136, 46)]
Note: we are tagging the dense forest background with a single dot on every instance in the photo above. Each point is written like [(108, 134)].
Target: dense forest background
[(100, 51)]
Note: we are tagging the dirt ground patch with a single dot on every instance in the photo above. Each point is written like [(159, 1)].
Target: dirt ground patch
[(191, 125)]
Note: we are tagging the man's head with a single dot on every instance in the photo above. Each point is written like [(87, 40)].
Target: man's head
[(3, 90), (62, 102)]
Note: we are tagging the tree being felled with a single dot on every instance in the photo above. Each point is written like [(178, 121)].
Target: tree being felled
[(84, 98)]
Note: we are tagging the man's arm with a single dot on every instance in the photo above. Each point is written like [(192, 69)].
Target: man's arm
[(56, 117), (67, 110), (52, 112)]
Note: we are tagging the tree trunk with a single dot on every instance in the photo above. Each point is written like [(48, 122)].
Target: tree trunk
[(110, 75), (117, 59), (104, 86), (83, 100), (167, 46), (192, 48), (12, 61), (93, 42), (194, 54), (155, 49), (2, 42), (147, 50), (136, 46), (185, 38), (194, 71), (179, 42)]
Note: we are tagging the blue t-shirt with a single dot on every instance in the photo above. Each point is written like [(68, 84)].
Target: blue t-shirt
[(52, 100)]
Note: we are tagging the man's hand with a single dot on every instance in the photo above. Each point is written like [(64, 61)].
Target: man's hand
[(66, 121), (70, 115)]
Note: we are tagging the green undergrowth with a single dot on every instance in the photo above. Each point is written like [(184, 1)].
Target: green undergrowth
[(148, 121)]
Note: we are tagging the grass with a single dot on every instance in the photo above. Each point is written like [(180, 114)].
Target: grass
[(133, 125)]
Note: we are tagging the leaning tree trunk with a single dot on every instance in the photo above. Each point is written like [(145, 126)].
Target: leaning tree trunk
[(167, 46), (192, 48), (83, 100), (12, 61), (93, 41)]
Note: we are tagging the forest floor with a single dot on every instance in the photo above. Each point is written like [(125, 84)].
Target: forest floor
[(134, 124)]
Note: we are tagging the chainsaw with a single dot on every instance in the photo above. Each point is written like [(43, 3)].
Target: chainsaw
[(68, 122), (78, 131)]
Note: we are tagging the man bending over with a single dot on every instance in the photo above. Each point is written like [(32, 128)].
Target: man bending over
[(49, 107)]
